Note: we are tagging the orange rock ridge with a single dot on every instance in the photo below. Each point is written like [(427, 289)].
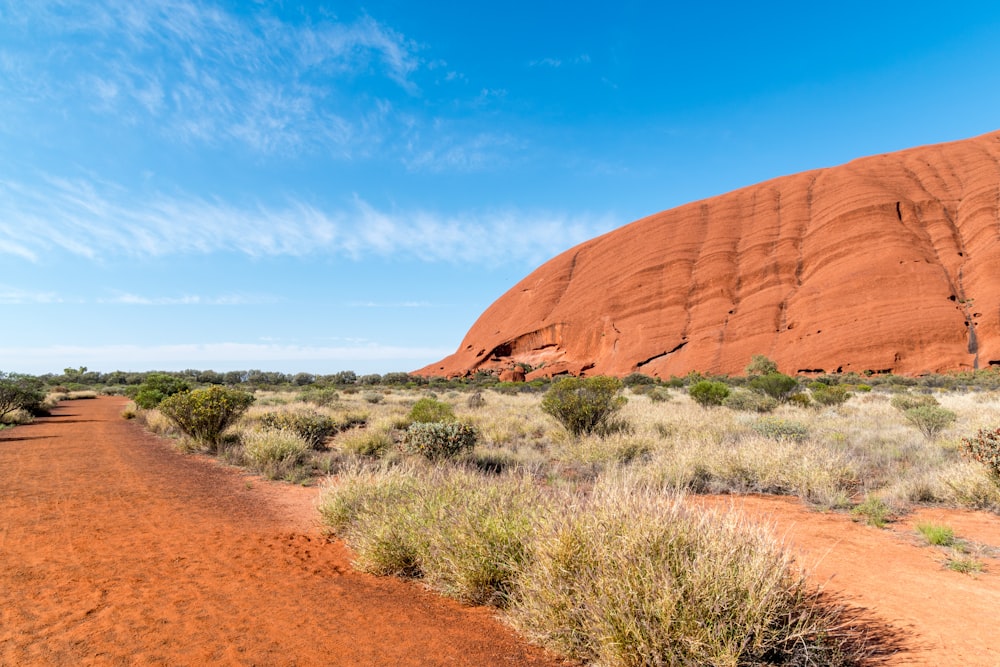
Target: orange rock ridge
[(886, 263)]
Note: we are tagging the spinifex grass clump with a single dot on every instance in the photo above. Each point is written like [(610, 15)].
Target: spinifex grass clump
[(313, 427), (463, 535), (275, 453), (631, 576), (204, 414), (626, 576)]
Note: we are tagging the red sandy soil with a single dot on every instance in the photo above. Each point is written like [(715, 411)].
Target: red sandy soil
[(115, 549), (886, 263)]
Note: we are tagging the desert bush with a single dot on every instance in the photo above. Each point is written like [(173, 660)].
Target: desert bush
[(130, 411), (930, 419), (658, 395), (904, 402), (19, 395), (749, 401), (635, 379), (984, 447), (373, 397), (439, 440), (583, 405), (427, 410), (760, 365), (157, 387), (776, 385), (708, 393), (274, 453), (204, 414), (829, 395), (320, 397), (780, 429), (312, 427)]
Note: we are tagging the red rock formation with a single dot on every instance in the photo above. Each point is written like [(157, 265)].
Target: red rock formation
[(887, 263)]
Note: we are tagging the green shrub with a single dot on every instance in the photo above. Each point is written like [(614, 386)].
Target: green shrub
[(440, 440), (428, 410), (749, 401), (204, 414), (708, 393), (760, 365), (157, 387), (776, 385), (904, 402), (634, 379), (658, 395), (780, 429), (313, 427), (829, 395), (984, 447), (583, 405), (930, 419), (323, 397), (19, 395), (274, 453)]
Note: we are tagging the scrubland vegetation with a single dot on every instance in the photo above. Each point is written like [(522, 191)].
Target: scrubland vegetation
[(563, 503)]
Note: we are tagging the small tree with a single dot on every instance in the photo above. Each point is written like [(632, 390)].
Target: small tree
[(583, 405), (930, 419), (18, 395), (776, 385), (708, 393), (204, 414), (760, 365)]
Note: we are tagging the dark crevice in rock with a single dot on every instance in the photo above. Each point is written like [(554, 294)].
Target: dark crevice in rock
[(660, 356)]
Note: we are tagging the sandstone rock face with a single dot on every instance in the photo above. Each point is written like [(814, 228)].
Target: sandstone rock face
[(887, 263)]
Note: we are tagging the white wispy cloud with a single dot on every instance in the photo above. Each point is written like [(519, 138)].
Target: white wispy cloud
[(220, 356), (15, 295), (582, 59), (129, 299), (396, 304), (199, 73), (101, 220)]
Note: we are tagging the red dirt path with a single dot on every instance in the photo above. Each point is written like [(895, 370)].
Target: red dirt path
[(115, 550)]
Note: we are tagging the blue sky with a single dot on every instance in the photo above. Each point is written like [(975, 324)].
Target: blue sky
[(324, 186)]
